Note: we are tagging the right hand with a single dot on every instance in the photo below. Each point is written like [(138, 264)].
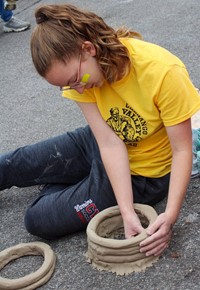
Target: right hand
[(132, 225)]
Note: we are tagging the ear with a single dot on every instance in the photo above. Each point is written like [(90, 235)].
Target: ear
[(88, 49)]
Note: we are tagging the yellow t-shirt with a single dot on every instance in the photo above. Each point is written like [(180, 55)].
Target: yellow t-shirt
[(156, 93)]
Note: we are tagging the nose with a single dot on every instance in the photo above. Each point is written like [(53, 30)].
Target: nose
[(80, 90)]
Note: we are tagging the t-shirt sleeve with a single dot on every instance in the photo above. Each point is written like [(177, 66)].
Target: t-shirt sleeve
[(177, 99), (87, 97)]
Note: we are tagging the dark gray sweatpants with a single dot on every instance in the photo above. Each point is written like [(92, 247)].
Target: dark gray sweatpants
[(76, 186)]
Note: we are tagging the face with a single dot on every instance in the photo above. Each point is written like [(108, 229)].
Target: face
[(82, 72)]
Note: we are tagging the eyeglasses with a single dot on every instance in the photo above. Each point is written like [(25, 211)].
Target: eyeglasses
[(78, 83)]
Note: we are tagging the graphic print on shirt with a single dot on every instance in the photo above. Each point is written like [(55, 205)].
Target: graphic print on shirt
[(127, 124)]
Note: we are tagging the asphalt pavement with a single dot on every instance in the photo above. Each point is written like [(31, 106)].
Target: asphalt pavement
[(32, 110)]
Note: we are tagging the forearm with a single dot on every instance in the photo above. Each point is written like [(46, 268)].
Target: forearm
[(114, 156), (116, 163), (115, 160), (179, 180)]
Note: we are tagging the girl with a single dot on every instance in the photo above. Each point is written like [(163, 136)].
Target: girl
[(138, 101)]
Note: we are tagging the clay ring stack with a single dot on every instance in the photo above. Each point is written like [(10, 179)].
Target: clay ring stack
[(107, 247), (33, 280)]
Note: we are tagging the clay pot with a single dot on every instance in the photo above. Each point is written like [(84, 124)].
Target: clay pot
[(107, 247)]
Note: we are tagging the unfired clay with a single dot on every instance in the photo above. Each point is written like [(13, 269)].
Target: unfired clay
[(33, 280), (107, 247)]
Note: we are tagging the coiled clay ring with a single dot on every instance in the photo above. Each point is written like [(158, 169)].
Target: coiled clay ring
[(107, 247), (33, 280)]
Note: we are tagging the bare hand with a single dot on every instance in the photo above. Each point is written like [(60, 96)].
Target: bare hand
[(132, 225), (160, 233)]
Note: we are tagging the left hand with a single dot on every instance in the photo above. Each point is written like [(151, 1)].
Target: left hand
[(160, 233)]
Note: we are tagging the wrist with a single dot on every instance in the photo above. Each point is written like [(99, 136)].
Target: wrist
[(173, 209), (172, 215), (127, 212)]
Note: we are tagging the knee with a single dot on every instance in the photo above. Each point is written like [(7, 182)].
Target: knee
[(34, 225), (31, 224)]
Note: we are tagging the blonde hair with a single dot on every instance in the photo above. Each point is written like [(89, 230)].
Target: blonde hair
[(62, 29)]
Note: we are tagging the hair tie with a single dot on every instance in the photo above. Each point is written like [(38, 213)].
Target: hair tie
[(41, 18)]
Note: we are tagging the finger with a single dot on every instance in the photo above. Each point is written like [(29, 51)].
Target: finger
[(129, 233), (158, 250), (154, 245), (160, 234), (156, 226), (162, 250), (133, 234), (153, 228), (154, 240)]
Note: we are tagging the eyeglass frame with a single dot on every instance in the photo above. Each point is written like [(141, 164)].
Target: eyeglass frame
[(78, 83)]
